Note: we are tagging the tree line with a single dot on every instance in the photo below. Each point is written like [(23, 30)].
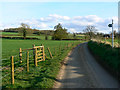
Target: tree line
[(58, 33)]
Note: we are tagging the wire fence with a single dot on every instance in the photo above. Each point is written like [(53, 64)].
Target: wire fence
[(21, 68)]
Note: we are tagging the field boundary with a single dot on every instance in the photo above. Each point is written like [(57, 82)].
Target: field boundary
[(21, 68), (106, 67), (19, 38)]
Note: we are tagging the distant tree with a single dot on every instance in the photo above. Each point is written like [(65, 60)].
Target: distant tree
[(90, 31), (74, 35), (53, 38), (60, 32), (25, 29), (39, 33), (46, 36)]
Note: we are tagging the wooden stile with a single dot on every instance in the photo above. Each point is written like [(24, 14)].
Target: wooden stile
[(39, 57), (40, 54)]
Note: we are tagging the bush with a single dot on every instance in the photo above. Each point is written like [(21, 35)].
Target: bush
[(60, 33), (46, 37)]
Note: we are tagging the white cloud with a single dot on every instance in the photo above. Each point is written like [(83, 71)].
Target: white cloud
[(42, 25), (73, 24), (72, 30), (53, 18)]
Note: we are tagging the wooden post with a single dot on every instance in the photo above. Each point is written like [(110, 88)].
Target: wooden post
[(46, 56), (50, 52), (12, 69), (20, 55), (43, 53), (27, 61), (35, 57), (34, 52)]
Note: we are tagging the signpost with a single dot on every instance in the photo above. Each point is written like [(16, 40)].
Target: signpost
[(111, 25)]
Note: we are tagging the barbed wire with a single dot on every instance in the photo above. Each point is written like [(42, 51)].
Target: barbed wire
[(4, 76), (23, 65), (31, 55), (5, 59), (16, 62), (19, 67), (5, 67)]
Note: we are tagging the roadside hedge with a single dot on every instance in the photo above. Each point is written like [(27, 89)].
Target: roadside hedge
[(107, 56)]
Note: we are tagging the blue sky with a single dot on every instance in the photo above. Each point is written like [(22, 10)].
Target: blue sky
[(45, 15)]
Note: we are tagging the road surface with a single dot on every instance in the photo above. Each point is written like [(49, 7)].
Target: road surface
[(82, 71)]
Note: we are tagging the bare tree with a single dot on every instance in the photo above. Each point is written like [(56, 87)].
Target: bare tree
[(90, 31)]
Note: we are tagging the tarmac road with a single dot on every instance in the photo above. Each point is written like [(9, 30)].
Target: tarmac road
[(82, 71)]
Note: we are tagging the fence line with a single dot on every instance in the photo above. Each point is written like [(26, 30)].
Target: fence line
[(35, 54)]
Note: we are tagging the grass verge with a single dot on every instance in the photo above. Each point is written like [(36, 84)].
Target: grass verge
[(42, 76)]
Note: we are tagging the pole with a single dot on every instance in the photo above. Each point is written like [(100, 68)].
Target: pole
[(50, 52), (27, 61), (36, 57), (112, 35), (20, 55), (12, 69), (43, 53)]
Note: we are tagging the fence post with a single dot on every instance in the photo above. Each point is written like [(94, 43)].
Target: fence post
[(12, 69), (50, 52), (34, 52), (36, 57), (20, 55), (27, 61), (43, 54)]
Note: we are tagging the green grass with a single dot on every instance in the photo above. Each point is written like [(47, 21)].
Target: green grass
[(42, 76), (108, 56), (42, 37), (8, 33), (116, 40), (70, 36)]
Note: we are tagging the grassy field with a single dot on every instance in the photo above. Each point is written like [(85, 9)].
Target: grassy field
[(116, 40), (10, 34), (42, 37), (42, 76), (108, 56), (108, 41)]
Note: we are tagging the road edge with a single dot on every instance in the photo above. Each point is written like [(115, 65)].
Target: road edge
[(57, 83)]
